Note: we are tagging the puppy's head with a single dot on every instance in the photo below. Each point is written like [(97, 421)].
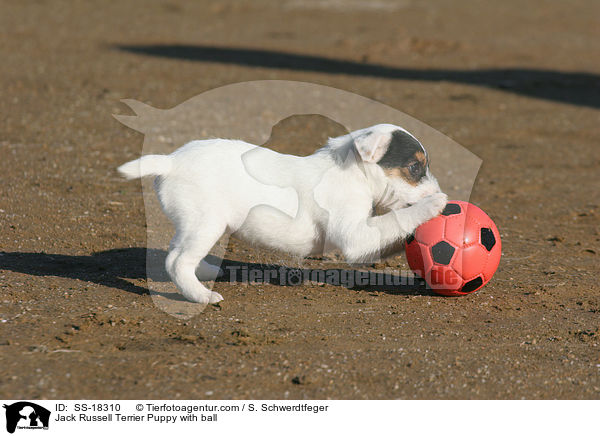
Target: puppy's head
[(403, 162)]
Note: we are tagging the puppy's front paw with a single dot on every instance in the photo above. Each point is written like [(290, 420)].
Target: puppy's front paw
[(433, 205)]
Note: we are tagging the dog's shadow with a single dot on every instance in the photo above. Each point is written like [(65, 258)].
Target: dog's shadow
[(115, 268)]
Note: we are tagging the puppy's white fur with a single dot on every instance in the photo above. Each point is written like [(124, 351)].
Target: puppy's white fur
[(300, 205)]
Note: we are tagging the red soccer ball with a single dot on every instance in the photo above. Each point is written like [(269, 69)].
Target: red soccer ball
[(457, 252)]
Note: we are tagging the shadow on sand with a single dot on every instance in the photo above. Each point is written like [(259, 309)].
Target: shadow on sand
[(578, 88), (112, 268)]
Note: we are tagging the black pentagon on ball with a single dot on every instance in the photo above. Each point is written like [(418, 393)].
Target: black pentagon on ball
[(442, 253), (472, 285), (451, 209), (487, 238)]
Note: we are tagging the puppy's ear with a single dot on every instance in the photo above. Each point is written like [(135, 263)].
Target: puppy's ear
[(372, 146)]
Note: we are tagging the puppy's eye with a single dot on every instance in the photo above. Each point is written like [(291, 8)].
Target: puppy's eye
[(414, 169)]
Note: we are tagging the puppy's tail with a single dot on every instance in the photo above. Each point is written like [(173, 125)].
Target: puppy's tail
[(149, 165)]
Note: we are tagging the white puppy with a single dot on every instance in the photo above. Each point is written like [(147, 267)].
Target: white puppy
[(363, 193)]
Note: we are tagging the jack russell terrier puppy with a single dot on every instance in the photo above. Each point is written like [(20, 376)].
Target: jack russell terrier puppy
[(362, 193)]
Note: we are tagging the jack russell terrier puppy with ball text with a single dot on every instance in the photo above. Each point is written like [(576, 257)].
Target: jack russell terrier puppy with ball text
[(362, 193)]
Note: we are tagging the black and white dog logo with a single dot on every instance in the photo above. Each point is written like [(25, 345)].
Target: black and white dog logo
[(26, 415)]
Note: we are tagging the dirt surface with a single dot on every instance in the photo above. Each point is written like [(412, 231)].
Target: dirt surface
[(518, 86)]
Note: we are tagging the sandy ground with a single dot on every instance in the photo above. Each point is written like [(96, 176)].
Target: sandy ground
[(518, 86)]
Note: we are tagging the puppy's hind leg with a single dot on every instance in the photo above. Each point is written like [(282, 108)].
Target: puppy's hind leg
[(204, 270), (185, 255)]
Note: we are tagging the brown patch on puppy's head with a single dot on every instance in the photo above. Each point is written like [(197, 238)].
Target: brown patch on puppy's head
[(405, 158)]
